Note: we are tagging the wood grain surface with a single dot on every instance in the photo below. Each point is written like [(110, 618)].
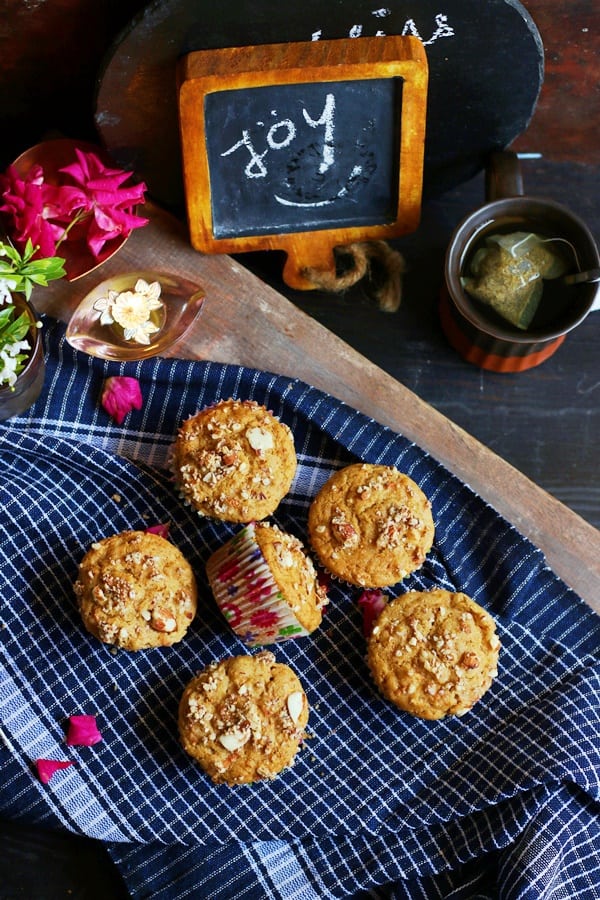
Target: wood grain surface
[(246, 322)]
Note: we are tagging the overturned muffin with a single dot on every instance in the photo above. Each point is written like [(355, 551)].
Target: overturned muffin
[(266, 585), (371, 525), (136, 590), (433, 653), (243, 718), (234, 461)]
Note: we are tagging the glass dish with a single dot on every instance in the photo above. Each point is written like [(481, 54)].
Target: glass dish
[(181, 303)]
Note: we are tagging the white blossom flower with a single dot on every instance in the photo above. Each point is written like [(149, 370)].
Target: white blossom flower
[(6, 288), (9, 361), (132, 310), (104, 305)]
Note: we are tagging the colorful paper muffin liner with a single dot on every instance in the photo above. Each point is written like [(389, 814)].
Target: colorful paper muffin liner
[(248, 595)]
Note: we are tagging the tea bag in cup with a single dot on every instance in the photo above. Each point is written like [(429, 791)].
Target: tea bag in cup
[(507, 273)]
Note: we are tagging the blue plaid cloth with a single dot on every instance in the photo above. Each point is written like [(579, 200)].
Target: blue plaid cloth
[(501, 802)]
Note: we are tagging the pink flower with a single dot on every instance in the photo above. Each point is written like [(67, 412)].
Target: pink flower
[(229, 569), (232, 613), (106, 200), (372, 603), (264, 618), (47, 767), (31, 210), (257, 590), (83, 731), (121, 394), (85, 201)]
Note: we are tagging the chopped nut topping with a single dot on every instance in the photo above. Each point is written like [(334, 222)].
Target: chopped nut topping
[(266, 656), (259, 439), (112, 593), (284, 556), (469, 660), (466, 622), (162, 620), (344, 531), (393, 530), (235, 739)]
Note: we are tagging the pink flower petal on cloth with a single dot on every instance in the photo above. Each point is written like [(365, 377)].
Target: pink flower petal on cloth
[(121, 394), (83, 731), (160, 530), (47, 767), (324, 582), (372, 603)]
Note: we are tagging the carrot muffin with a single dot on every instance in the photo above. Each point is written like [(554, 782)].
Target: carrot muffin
[(266, 585), (136, 590), (371, 525), (243, 718), (234, 461), (433, 653)]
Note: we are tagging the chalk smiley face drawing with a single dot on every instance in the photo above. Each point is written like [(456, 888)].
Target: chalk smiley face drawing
[(309, 186)]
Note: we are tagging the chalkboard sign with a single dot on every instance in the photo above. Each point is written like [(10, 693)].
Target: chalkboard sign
[(278, 163), (303, 147)]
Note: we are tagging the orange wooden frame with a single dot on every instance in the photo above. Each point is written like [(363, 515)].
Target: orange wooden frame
[(205, 71)]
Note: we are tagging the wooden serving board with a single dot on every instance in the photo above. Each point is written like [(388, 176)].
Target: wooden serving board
[(485, 58), (245, 322)]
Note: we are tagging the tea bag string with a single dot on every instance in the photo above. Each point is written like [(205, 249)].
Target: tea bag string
[(565, 241), (580, 276), (589, 276), (549, 240)]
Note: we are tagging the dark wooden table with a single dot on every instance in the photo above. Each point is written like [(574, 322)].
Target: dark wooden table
[(545, 423)]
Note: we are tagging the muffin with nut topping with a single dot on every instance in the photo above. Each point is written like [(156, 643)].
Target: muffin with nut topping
[(266, 585), (243, 718), (136, 590), (433, 653), (371, 525), (234, 461)]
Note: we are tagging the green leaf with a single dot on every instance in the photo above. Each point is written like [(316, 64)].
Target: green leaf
[(6, 313), (26, 272), (13, 330)]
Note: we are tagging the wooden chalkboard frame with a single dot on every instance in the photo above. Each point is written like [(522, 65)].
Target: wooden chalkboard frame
[(205, 72)]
